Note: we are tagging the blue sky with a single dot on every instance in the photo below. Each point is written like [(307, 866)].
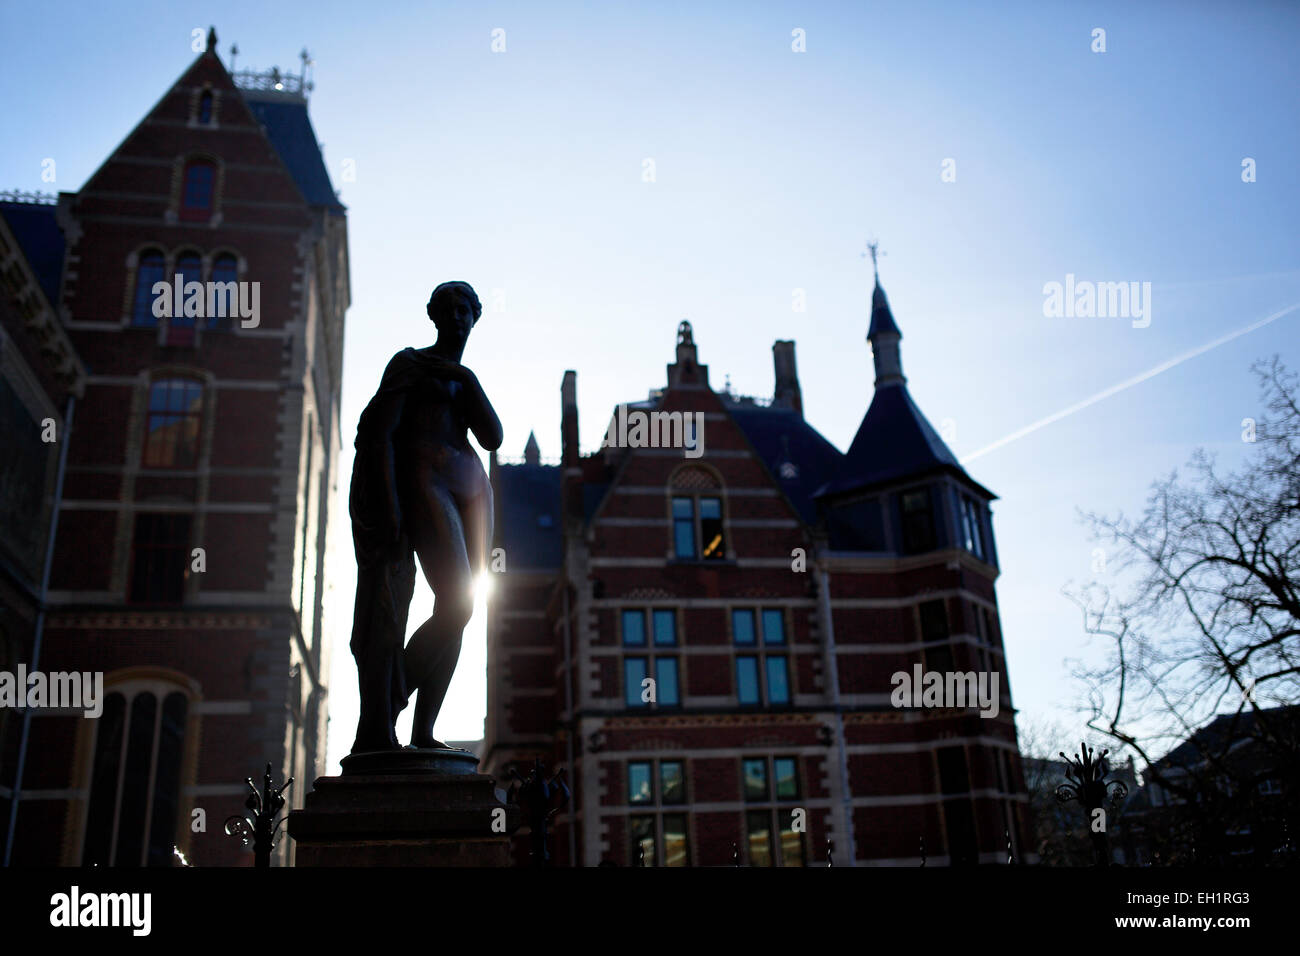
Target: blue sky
[(522, 172)]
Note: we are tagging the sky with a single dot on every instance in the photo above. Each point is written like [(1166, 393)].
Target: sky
[(617, 168)]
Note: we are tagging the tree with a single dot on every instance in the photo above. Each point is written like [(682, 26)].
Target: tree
[(1207, 623)]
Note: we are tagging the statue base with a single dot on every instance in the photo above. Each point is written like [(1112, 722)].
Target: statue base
[(404, 808)]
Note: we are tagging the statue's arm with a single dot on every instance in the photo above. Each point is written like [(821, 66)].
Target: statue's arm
[(479, 413), (388, 417)]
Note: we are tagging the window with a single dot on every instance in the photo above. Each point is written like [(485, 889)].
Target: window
[(667, 692), (225, 269), (934, 627), (758, 826), (787, 778), (707, 531), (774, 668), (205, 107), (150, 269), (634, 628), (644, 828), (175, 413), (759, 775), (180, 327), (672, 781), (665, 624), (676, 851), (639, 783), (197, 188), (642, 832), (160, 559), (666, 682), (958, 814), (918, 522), (135, 779), (684, 528), (634, 672), (970, 525)]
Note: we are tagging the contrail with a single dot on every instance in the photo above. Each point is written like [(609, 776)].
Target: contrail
[(1128, 383)]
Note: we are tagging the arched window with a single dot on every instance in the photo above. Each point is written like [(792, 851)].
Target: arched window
[(697, 516), (197, 188), (180, 327), (135, 777), (205, 107), (224, 270), (150, 268), (172, 424)]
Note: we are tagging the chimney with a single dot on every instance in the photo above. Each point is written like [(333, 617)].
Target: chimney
[(786, 393), (569, 419), (570, 457)]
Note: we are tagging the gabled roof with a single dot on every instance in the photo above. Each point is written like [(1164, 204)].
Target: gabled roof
[(290, 131), (531, 530), (38, 234), (782, 438)]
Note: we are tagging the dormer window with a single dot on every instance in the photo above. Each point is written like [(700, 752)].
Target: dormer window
[(197, 189)]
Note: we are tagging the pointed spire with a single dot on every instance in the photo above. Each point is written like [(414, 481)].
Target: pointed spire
[(212, 39), (532, 454), (883, 333)]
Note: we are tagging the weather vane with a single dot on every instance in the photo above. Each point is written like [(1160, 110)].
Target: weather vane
[(873, 250)]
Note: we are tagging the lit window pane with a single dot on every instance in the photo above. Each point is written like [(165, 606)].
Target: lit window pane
[(682, 508), (665, 628), (742, 627), (747, 679), (712, 545), (639, 783), (634, 628), (778, 684), (755, 773)]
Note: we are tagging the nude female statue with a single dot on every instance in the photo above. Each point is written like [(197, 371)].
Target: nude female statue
[(419, 488)]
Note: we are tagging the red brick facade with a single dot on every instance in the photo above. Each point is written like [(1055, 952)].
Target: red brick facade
[(842, 621), (222, 617)]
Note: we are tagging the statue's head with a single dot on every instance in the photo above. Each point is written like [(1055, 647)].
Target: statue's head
[(454, 308)]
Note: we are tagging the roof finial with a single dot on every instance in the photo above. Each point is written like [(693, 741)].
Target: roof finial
[(873, 250), (234, 52), (212, 39)]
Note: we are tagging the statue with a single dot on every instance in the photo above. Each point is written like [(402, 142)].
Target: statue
[(419, 489)]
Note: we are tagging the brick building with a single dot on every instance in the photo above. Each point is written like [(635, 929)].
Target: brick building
[(188, 562), (709, 643)]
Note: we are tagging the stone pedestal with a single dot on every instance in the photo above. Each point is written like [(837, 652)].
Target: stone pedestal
[(404, 808)]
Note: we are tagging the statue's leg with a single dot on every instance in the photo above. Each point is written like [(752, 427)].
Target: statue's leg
[(438, 535)]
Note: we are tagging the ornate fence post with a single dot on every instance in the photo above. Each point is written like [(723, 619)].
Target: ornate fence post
[(265, 807), (1089, 787)]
